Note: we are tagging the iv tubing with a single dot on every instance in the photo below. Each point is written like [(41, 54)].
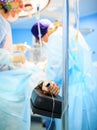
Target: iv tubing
[(38, 13)]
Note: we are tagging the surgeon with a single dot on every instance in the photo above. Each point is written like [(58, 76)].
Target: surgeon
[(82, 111), (46, 29)]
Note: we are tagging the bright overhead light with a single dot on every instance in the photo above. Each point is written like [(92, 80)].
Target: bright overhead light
[(32, 6), (13, 9)]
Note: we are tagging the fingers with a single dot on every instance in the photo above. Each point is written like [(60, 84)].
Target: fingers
[(54, 89), (20, 47), (45, 89)]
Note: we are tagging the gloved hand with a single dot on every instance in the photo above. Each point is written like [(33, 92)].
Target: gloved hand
[(19, 58), (7, 58), (21, 47)]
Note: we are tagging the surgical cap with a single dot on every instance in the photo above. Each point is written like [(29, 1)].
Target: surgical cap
[(44, 25)]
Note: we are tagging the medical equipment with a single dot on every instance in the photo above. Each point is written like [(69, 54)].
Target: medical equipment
[(45, 104)]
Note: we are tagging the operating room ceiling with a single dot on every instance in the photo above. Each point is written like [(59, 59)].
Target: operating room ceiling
[(54, 11)]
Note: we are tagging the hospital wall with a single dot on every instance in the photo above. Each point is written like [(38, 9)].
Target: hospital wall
[(21, 36)]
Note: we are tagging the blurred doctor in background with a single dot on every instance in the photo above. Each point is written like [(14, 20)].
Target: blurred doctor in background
[(82, 76), (5, 34), (6, 44), (9, 12), (5, 41)]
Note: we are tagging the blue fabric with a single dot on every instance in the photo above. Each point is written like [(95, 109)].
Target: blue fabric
[(49, 123), (5, 34), (5, 57), (82, 89), (3, 30), (15, 92), (5, 43), (16, 87)]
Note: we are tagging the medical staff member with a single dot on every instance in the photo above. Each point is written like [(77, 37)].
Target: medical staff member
[(46, 29), (5, 41), (7, 15), (82, 77)]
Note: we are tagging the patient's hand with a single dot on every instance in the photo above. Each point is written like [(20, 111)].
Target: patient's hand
[(52, 89)]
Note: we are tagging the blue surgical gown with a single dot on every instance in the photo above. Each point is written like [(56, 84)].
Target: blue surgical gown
[(16, 87), (5, 43), (5, 34), (82, 90)]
